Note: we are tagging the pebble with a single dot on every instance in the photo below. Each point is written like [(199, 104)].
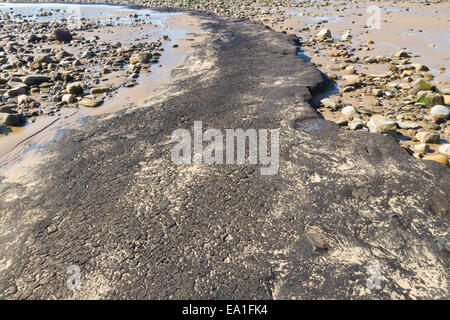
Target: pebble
[(422, 148), (349, 111), (445, 149), (324, 34), (75, 88), (330, 103), (380, 125), (428, 137), (68, 98), (440, 111)]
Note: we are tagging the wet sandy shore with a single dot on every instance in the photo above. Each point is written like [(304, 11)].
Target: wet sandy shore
[(39, 131)]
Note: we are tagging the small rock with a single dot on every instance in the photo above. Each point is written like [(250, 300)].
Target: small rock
[(9, 119), (35, 80), (20, 89), (422, 148), (349, 111), (408, 125), (24, 99), (445, 149), (377, 92), (428, 137), (355, 124), (142, 57), (346, 36), (75, 88), (91, 101), (420, 67), (430, 98), (316, 237), (402, 54), (330, 103), (43, 58), (351, 80), (99, 90), (68, 98), (380, 125), (324, 34), (440, 111), (420, 85), (61, 35)]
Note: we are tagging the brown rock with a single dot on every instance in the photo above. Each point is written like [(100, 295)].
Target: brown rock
[(316, 237), (61, 35)]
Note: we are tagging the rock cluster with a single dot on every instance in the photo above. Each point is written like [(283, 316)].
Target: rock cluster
[(45, 66)]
